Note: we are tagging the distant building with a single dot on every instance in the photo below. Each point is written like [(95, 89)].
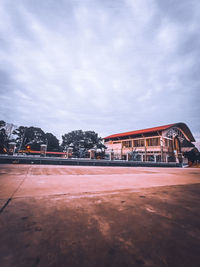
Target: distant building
[(160, 144)]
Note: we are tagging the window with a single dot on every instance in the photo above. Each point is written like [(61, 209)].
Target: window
[(127, 144), (170, 143), (166, 142), (153, 142), (138, 143)]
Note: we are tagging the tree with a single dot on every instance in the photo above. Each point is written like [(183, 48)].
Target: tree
[(81, 142), (20, 137), (2, 124), (52, 142), (29, 136), (34, 137), (9, 128), (3, 138), (192, 155)]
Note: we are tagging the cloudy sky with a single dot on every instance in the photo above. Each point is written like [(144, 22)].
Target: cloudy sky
[(104, 65)]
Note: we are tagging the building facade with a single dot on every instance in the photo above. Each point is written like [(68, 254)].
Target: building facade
[(160, 144)]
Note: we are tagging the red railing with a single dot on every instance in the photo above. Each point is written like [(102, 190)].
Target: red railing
[(39, 152)]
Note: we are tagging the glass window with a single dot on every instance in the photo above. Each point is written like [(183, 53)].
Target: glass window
[(170, 143), (127, 144), (138, 143), (166, 142), (153, 142)]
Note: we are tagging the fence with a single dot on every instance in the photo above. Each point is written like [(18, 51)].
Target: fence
[(6, 159)]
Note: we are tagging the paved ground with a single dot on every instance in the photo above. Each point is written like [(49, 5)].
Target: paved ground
[(99, 216)]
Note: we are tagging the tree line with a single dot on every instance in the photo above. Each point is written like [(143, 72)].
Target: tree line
[(79, 141)]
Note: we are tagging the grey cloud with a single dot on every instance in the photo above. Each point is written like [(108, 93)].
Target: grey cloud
[(109, 66), (5, 78), (179, 11)]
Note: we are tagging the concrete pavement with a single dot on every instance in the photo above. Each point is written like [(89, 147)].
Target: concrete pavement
[(99, 216)]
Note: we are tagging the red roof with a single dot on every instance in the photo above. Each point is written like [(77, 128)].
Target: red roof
[(149, 130)]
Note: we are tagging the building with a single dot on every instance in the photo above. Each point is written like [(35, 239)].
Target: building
[(160, 144)]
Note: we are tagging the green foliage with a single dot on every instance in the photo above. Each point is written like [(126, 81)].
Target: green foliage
[(20, 137), (192, 155), (29, 135), (34, 137), (3, 138), (52, 142), (2, 124), (81, 142)]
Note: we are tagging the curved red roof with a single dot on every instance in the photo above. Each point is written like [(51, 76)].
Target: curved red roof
[(154, 129)]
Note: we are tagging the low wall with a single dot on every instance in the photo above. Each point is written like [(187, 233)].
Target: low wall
[(4, 159)]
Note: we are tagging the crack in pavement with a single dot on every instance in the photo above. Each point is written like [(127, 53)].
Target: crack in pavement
[(15, 191)]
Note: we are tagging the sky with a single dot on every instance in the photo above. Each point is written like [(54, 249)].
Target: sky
[(105, 65)]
